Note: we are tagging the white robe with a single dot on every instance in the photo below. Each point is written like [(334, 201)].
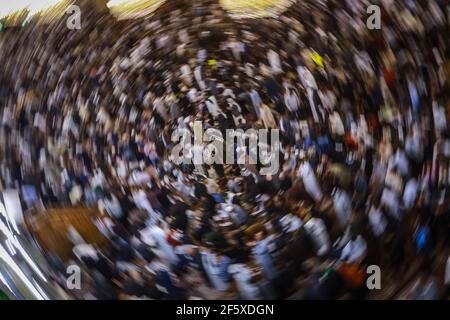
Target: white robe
[(317, 230), (310, 182), (213, 107), (342, 206), (377, 221), (267, 117), (275, 62)]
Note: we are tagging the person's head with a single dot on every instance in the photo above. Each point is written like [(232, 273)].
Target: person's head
[(261, 234), (292, 90), (109, 196), (353, 234), (88, 261), (315, 213), (324, 158)]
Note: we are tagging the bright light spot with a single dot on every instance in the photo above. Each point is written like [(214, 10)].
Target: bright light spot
[(41, 5), (15, 242), (114, 3), (129, 9), (3, 280), (6, 258), (41, 291), (8, 218), (28, 259), (255, 8), (10, 247), (8, 7), (34, 6)]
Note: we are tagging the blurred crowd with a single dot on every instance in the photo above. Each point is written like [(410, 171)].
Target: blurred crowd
[(87, 117)]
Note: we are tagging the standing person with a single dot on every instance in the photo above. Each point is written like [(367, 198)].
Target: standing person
[(199, 76), (261, 254), (267, 117), (274, 61), (244, 279), (216, 267), (310, 85), (292, 101), (256, 101), (158, 237), (317, 229), (186, 75), (310, 182), (213, 107), (161, 108), (237, 48), (355, 250), (342, 206), (111, 205)]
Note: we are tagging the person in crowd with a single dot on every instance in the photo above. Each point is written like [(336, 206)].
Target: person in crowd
[(89, 118)]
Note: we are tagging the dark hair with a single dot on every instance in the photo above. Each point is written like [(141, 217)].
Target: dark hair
[(109, 195)]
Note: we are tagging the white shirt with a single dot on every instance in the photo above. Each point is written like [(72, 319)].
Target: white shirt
[(198, 78), (317, 230), (328, 99), (410, 193), (354, 250), (243, 277), (139, 178), (394, 181), (342, 206), (256, 100), (98, 180), (390, 199), (274, 61), (291, 223), (229, 93), (85, 250), (337, 126), (377, 221), (237, 48), (192, 95), (112, 207), (440, 120), (401, 161), (310, 181), (201, 55), (213, 106), (159, 237), (291, 101), (142, 202), (186, 73), (160, 107), (8, 116), (306, 78), (122, 169), (212, 268), (267, 117)]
